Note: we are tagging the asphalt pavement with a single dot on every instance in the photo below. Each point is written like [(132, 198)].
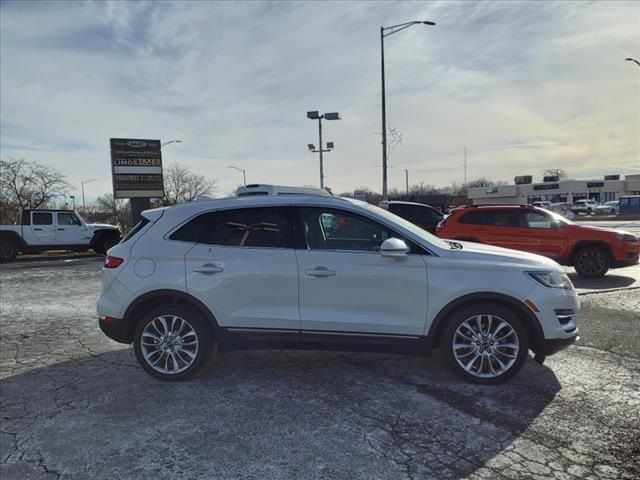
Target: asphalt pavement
[(75, 405)]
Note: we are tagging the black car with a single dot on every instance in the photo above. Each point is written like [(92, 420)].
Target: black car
[(420, 214)]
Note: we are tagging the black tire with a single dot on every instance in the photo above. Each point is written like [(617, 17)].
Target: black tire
[(488, 358), (589, 211), (195, 320), (591, 262), (8, 250), (106, 243)]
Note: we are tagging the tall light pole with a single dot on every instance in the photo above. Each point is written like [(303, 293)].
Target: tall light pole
[(632, 60), (406, 179), (73, 201), (170, 141), (244, 173), (84, 208), (385, 32), (315, 115)]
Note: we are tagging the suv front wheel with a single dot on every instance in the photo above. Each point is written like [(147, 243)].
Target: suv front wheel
[(591, 262), (172, 342), (485, 343)]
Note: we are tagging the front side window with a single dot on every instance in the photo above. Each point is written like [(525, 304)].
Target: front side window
[(537, 220), (247, 227), (68, 219), (42, 218), (328, 229)]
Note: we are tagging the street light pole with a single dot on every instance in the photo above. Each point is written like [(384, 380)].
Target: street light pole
[(632, 60), (84, 207), (385, 32), (170, 141), (314, 115), (406, 179), (244, 174)]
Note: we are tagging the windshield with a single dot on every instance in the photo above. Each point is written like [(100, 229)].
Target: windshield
[(559, 218), (428, 237)]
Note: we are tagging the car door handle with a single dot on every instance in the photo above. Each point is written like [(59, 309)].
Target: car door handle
[(37, 229), (208, 269), (320, 272), (61, 229)]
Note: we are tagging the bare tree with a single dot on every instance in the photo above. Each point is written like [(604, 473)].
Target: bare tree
[(182, 185), (109, 210), (25, 184), (556, 172)]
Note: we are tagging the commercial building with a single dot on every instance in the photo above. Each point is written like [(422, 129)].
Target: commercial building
[(523, 192)]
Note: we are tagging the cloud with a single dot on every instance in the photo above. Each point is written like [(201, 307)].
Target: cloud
[(233, 81)]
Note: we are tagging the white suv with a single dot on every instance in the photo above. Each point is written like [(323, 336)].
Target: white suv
[(324, 272)]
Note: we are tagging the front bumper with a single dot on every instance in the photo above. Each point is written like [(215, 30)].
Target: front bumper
[(116, 329)]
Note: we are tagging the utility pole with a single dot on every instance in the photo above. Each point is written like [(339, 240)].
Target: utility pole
[(406, 179), (465, 164)]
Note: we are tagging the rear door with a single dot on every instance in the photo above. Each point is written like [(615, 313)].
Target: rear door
[(244, 269), (42, 228), (503, 228)]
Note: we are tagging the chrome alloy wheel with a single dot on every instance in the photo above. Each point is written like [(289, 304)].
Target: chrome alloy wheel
[(485, 346), (169, 344)]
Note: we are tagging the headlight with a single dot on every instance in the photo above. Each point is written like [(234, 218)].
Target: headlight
[(552, 279), (626, 237)]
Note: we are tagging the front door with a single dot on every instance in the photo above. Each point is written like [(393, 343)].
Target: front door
[(542, 234), (244, 269), (70, 230), (347, 286)]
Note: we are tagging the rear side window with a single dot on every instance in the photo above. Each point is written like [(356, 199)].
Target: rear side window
[(415, 213), (42, 218), (503, 218), (497, 218), (247, 227), (475, 218)]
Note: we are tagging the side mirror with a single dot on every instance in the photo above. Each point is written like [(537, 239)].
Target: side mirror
[(394, 247)]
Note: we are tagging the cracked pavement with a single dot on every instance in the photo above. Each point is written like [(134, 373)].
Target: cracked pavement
[(75, 405)]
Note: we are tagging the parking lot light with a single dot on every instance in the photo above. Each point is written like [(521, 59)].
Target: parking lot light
[(315, 115)]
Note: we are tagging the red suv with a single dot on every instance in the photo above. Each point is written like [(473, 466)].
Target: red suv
[(590, 250)]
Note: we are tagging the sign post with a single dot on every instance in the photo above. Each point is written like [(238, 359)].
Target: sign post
[(136, 168)]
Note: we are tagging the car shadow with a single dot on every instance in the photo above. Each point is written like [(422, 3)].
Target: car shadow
[(607, 282), (264, 414)]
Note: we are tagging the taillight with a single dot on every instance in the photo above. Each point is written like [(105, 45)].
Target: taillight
[(112, 262)]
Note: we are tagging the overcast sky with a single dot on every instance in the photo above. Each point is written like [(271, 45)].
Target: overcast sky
[(525, 85)]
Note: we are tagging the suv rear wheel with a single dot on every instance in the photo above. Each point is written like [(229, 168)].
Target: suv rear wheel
[(591, 262), (485, 343), (172, 342)]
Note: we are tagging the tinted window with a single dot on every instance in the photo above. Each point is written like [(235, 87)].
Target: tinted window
[(135, 229), (415, 213), (249, 227), (537, 220), (503, 218), (327, 229), (476, 218), (67, 219), (42, 218), (498, 218)]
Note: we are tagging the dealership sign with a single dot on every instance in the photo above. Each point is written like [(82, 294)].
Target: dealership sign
[(136, 166)]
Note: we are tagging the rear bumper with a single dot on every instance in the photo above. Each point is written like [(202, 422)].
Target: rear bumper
[(116, 329), (550, 346)]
